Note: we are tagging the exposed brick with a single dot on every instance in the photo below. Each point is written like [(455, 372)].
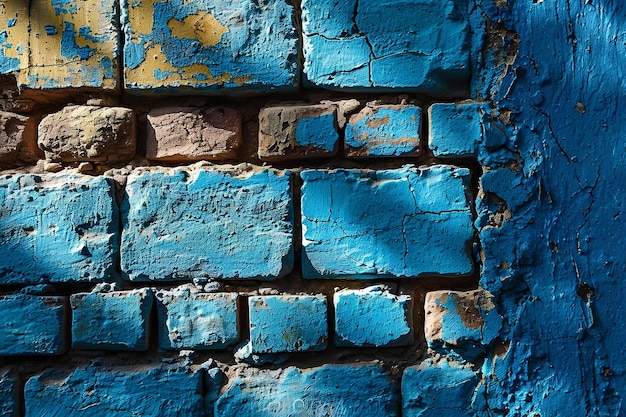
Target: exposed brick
[(73, 43), (18, 138), (331, 390), (397, 223), (461, 322), (456, 130), (384, 130), (438, 390), (106, 391), (89, 133), (192, 320), (230, 223), (32, 325), (372, 317), (210, 45), (182, 134), (111, 321), (43, 240), (9, 394), (367, 44), (288, 323), (292, 132)]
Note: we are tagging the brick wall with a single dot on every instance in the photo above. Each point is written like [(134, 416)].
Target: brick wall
[(273, 208)]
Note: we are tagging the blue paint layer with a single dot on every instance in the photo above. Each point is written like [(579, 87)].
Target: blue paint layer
[(384, 131), (104, 391), (318, 132), (438, 390), (32, 325), (111, 321), (44, 241), (9, 398), (371, 45), (348, 391), (288, 323), (396, 223), (192, 320), (372, 317), (212, 223), (456, 130)]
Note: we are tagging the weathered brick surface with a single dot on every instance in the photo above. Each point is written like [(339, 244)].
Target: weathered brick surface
[(210, 45), (18, 138), (57, 228), (111, 321), (456, 130), (89, 133), (396, 223), (288, 323), (462, 322), (14, 40), (331, 390), (292, 132), (181, 134), (372, 317), (218, 223), (192, 320), (32, 325), (9, 394), (105, 391), (364, 44), (73, 43), (438, 390), (384, 130)]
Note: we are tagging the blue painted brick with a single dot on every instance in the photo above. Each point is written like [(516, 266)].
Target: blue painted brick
[(113, 321), (438, 390), (331, 390), (104, 391), (456, 129), (43, 240), (372, 317), (210, 45), (190, 222), (397, 223), (288, 323), (461, 322), (293, 132), (32, 325), (192, 320), (385, 130), (9, 394), (416, 45)]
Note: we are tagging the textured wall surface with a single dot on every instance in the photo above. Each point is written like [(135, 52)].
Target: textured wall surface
[(312, 208)]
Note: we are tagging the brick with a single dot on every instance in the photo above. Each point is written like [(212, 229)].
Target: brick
[(229, 223), (193, 320), (438, 390), (105, 391), (462, 322), (182, 134), (456, 129), (115, 320), (89, 133), (9, 394), (14, 36), (210, 45), (330, 390), (367, 44), (73, 43), (18, 138), (32, 325), (42, 240), (403, 222), (384, 130), (288, 323), (372, 317), (292, 132)]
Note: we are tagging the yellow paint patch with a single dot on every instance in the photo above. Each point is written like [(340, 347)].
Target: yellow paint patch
[(203, 27), (17, 35)]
